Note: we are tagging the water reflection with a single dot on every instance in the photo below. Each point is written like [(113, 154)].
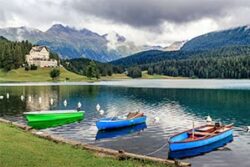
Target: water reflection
[(107, 134), (176, 108)]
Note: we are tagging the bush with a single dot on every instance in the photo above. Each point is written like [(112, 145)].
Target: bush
[(55, 73), (150, 71), (33, 67), (134, 72), (26, 68)]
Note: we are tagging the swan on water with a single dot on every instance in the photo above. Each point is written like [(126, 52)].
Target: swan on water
[(98, 107)]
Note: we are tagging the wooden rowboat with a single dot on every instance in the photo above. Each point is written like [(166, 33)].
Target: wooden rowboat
[(199, 136)]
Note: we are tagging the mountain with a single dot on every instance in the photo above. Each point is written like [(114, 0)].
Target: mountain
[(157, 56), (66, 41), (231, 37), (21, 33), (71, 43), (221, 54), (226, 62)]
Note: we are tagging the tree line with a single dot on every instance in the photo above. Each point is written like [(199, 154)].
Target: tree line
[(12, 54), (228, 62), (90, 68), (155, 56), (211, 67)]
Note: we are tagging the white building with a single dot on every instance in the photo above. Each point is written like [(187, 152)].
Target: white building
[(39, 56)]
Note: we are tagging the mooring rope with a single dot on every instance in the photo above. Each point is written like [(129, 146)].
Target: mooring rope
[(159, 149)]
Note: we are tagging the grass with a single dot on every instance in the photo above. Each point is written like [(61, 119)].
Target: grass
[(145, 75), (115, 77), (19, 148), (43, 75), (39, 75)]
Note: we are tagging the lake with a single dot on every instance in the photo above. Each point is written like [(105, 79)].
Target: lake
[(176, 102)]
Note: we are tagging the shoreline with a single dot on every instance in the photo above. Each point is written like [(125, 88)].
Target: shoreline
[(116, 154), (227, 84)]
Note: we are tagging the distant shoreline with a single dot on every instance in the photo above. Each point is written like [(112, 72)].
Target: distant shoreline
[(227, 84)]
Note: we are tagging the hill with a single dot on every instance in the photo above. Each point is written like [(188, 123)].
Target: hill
[(155, 56), (227, 62), (239, 36), (39, 75)]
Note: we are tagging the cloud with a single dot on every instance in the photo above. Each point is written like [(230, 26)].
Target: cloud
[(143, 21), (152, 13)]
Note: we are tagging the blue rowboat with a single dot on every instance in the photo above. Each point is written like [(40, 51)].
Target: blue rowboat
[(199, 150), (113, 133), (198, 137), (119, 122)]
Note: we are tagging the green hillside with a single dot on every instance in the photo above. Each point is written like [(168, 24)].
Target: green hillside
[(39, 75), (226, 62)]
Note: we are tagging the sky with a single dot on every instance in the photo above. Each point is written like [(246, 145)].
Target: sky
[(146, 22)]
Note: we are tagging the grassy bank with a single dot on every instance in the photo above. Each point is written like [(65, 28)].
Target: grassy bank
[(19, 148), (43, 75), (145, 75), (39, 75)]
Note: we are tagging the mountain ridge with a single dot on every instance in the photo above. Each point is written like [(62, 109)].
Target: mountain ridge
[(70, 42), (224, 38)]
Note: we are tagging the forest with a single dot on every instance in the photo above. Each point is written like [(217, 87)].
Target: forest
[(83, 66), (229, 62), (12, 54), (211, 67)]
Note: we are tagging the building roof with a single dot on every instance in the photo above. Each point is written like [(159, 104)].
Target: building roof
[(39, 48)]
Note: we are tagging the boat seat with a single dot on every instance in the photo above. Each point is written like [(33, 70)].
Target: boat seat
[(205, 129), (221, 130), (134, 115), (201, 133)]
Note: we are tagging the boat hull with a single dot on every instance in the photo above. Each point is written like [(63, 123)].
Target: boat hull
[(180, 154), (52, 116), (175, 146), (53, 123), (108, 123)]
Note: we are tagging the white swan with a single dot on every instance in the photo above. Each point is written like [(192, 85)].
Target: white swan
[(98, 107)]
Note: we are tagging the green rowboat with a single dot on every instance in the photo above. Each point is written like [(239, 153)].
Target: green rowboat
[(54, 123), (40, 116)]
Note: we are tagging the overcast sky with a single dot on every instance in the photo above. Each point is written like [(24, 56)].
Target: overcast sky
[(142, 21)]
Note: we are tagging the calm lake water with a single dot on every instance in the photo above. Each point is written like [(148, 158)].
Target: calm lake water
[(176, 102)]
